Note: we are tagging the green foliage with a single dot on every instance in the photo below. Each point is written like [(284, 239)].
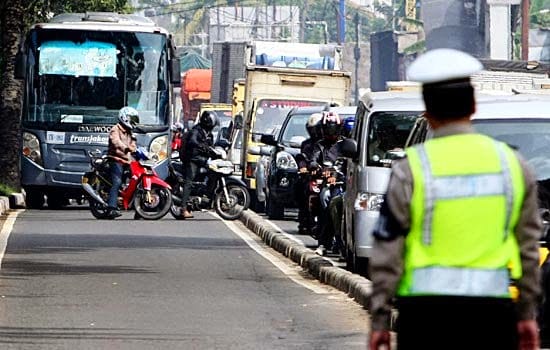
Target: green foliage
[(6, 190), (540, 13)]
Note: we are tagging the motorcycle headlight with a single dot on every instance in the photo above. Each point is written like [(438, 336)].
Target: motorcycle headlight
[(31, 148), (158, 150), (368, 201), (285, 160)]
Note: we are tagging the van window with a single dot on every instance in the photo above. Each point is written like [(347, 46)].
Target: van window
[(530, 137), (387, 134)]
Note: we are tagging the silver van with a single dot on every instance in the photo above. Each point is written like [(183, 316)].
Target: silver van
[(382, 124)]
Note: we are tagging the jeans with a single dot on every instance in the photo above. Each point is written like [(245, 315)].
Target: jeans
[(190, 170), (116, 180)]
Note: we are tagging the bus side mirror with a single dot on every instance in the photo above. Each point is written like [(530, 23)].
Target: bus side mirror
[(20, 60), (238, 121), (175, 71)]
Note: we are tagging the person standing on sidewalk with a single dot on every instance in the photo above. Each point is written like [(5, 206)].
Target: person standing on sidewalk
[(460, 221)]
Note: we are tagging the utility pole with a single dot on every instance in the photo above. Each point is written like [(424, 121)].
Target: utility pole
[(525, 23), (341, 21), (357, 56)]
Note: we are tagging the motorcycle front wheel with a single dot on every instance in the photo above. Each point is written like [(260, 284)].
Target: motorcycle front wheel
[(232, 208), (153, 204)]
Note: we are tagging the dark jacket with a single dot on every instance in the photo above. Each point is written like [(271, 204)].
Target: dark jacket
[(196, 145), (306, 153)]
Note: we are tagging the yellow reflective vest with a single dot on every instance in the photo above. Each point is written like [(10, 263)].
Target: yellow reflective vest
[(468, 191)]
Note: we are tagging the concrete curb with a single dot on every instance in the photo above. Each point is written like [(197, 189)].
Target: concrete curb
[(357, 287), (13, 201)]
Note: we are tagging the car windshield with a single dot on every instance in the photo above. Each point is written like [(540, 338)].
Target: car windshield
[(296, 126), (388, 132), (274, 112), (85, 77), (530, 137)]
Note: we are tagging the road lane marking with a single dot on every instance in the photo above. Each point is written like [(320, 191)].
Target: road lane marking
[(6, 231), (289, 271)]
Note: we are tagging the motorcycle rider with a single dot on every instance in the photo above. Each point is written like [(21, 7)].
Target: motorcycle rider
[(327, 150), (196, 149), (121, 144), (336, 204), (303, 159)]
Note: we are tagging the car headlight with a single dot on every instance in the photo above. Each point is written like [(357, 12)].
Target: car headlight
[(158, 150), (368, 201), (31, 148), (285, 160)]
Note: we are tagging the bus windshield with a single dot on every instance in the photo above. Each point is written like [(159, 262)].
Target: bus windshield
[(86, 76)]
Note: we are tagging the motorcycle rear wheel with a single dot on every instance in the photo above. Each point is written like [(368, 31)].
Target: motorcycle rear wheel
[(232, 209), (99, 211), (176, 208), (159, 205)]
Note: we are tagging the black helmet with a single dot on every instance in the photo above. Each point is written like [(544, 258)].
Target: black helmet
[(331, 126), (208, 120)]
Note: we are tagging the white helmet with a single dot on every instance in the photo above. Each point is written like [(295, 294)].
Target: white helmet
[(128, 116), (313, 125)]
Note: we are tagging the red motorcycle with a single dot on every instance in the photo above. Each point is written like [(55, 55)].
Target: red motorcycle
[(142, 189)]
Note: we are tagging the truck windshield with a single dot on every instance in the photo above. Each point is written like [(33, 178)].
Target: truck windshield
[(530, 137), (388, 132), (86, 76)]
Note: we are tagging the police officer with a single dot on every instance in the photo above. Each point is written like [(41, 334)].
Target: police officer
[(459, 221), (194, 153)]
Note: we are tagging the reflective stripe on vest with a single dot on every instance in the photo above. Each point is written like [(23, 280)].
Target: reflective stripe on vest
[(460, 281), (458, 186)]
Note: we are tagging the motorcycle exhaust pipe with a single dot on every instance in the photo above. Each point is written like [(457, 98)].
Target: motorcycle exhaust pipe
[(93, 194)]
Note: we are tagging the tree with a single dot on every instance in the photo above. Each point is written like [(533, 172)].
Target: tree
[(15, 17)]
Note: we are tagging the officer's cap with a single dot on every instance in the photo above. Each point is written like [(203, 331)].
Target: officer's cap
[(436, 67)]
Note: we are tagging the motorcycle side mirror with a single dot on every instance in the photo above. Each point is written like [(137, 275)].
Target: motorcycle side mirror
[(349, 148)]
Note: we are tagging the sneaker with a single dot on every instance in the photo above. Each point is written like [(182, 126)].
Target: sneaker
[(114, 213), (321, 250), (186, 214)]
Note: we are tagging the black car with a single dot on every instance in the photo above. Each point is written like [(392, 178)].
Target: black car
[(282, 171)]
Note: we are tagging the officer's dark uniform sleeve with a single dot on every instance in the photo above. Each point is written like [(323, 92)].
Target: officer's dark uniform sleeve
[(386, 261), (528, 232)]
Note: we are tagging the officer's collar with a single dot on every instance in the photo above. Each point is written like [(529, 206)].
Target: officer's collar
[(453, 129)]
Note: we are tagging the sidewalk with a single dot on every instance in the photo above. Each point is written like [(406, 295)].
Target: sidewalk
[(326, 270)]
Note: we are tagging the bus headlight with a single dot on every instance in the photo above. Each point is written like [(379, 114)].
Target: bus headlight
[(158, 150), (31, 148)]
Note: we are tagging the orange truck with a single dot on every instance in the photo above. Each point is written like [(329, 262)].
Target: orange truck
[(196, 86)]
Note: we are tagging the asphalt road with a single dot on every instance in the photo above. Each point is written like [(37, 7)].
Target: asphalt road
[(69, 281)]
